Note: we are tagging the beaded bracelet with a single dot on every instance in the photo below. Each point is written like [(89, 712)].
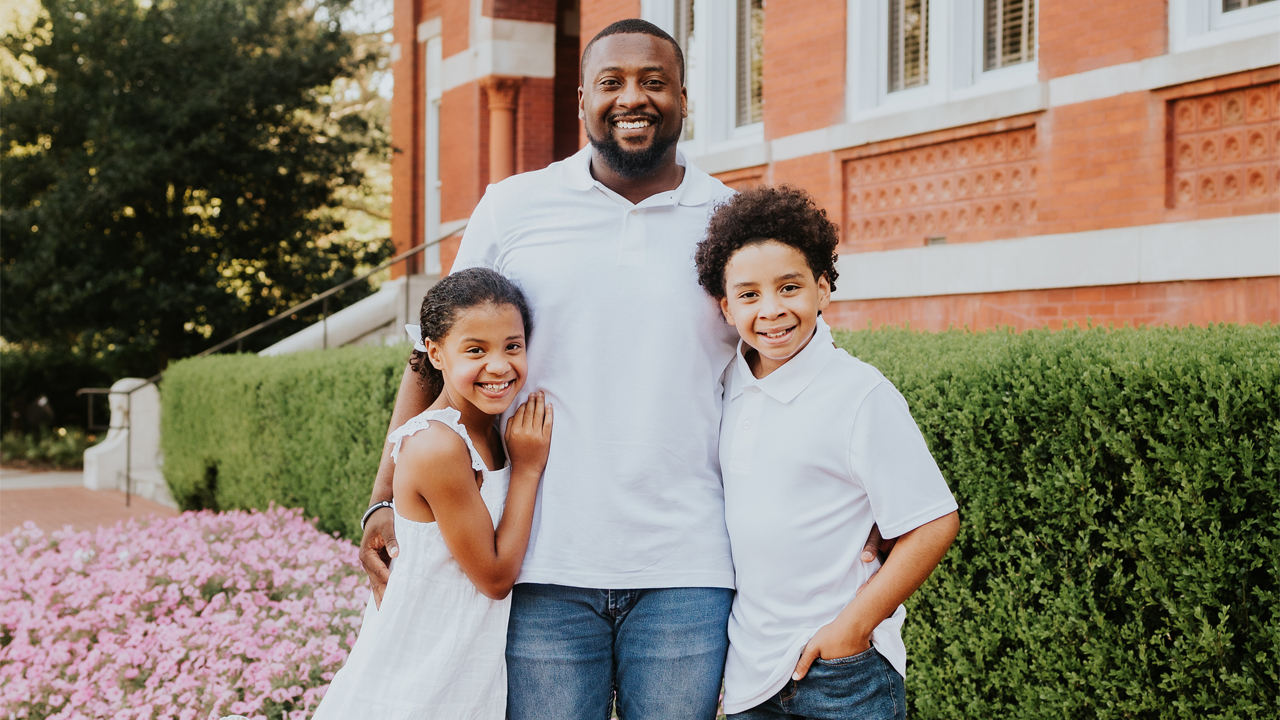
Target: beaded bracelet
[(373, 509)]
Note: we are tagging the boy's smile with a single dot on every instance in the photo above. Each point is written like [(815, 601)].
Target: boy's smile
[(773, 300)]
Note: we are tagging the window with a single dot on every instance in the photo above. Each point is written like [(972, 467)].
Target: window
[(1229, 5), (1009, 33), (1198, 24), (908, 44), (750, 79), (723, 45), (682, 31)]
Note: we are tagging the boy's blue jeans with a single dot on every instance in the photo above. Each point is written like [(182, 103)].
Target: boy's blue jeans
[(662, 650), (860, 687)]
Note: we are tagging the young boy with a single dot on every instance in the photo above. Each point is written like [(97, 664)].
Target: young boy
[(815, 447)]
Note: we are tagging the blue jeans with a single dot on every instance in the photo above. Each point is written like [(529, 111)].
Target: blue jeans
[(860, 687), (661, 650)]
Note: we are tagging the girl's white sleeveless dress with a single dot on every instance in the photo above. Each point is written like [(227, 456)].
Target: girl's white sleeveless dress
[(436, 648)]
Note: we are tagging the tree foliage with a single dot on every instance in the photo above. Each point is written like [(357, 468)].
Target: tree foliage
[(170, 171)]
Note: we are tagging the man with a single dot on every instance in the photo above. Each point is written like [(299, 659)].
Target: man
[(627, 583)]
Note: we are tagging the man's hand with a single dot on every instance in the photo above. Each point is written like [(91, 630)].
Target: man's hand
[(877, 546), (832, 641), (377, 547)]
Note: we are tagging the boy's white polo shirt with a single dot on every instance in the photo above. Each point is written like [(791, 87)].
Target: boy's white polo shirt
[(631, 353), (813, 455)]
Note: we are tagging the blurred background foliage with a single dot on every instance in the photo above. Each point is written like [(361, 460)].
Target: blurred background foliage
[(175, 172)]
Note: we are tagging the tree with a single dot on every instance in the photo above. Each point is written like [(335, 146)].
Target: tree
[(170, 171)]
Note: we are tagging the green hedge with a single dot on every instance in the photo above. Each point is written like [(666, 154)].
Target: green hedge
[(1119, 555), (304, 430), (1119, 495)]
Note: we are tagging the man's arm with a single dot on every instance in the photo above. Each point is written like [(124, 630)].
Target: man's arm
[(877, 546), (378, 545)]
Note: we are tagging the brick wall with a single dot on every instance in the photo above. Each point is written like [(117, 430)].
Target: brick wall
[(405, 141), (455, 18), (744, 178), (804, 65), (1104, 164), (1078, 36), (464, 150), (1250, 300), (596, 15), (535, 124), (529, 10)]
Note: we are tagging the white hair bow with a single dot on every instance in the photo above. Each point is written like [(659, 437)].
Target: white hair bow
[(415, 334)]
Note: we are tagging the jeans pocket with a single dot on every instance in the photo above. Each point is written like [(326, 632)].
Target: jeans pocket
[(849, 660), (858, 687)]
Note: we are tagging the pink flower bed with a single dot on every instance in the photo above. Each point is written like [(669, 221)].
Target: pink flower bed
[(198, 616)]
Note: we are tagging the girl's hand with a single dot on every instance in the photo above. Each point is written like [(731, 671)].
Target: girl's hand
[(529, 435), (832, 641)]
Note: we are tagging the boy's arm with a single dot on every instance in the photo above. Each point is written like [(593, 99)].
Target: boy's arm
[(914, 556), (378, 544)]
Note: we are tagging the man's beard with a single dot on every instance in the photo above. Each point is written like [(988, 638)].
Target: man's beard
[(632, 164)]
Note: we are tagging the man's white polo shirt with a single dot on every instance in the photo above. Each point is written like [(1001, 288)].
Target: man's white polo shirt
[(813, 455), (631, 352)]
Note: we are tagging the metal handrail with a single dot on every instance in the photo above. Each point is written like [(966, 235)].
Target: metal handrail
[(239, 337), (322, 297)]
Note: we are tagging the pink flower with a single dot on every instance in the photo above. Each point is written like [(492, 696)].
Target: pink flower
[(199, 616)]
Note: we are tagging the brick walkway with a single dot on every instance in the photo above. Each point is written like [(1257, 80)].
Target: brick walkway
[(55, 499)]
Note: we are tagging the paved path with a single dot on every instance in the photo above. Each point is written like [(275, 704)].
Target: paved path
[(54, 499)]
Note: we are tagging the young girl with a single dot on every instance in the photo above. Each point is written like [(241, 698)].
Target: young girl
[(433, 647)]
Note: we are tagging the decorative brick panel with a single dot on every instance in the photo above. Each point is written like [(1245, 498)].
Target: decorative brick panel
[(744, 178), (976, 188), (1225, 148)]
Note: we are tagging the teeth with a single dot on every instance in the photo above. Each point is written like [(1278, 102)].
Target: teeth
[(632, 124), (495, 387), (777, 334)]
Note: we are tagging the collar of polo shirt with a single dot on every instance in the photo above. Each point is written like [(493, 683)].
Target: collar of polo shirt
[(788, 381), (695, 189)]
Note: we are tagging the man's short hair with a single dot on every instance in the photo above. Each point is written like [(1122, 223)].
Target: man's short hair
[(629, 26)]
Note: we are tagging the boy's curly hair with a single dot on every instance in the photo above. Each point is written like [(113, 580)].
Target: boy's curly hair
[(783, 214)]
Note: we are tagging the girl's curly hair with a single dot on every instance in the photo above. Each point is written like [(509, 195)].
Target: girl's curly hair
[(447, 299), (782, 214)]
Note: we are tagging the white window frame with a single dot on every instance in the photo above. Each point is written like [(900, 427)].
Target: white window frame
[(433, 58), (956, 34), (1197, 24), (711, 76)]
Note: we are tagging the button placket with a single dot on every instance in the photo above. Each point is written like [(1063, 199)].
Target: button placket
[(744, 438), (632, 244)]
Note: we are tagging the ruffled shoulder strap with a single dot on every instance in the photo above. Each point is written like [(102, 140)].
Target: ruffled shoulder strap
[(448, 417)]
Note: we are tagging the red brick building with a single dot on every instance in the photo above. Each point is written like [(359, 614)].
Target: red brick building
[(990, 162)]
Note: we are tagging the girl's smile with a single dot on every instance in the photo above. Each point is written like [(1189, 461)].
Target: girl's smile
[(482, 359)]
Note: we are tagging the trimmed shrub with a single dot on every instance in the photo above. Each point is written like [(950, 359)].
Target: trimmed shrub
[(1119, 492), (1119, 555), (304, 430)]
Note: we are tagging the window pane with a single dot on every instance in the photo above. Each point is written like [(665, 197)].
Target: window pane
[(750, 61), (908, 44), (1229, 5), (1010, 32)]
